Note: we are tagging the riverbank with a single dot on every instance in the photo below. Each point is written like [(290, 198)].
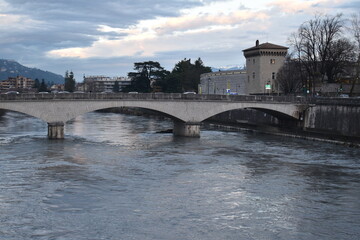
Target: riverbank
[(293, 133)]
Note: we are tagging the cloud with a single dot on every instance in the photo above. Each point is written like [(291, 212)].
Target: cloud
[(119, 13), (310, 6), (350, 5), (85, 34), (15, 23), (144, 37)]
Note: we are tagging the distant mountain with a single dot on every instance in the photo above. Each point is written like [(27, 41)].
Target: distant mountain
[(10, 68), (228, 68)]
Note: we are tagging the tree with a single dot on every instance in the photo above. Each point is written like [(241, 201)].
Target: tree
[(36, 84), (43, 86), (69, 81), (146, 76), (116, 87), (185, 76), (315, 46), (200, 68), (171, 84), (355, 30), (341, 53), (289, 77)]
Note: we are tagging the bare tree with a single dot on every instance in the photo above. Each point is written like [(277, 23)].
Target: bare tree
[(313, 45), (289, 77), (341, 54), (329, 32), (355, 29), (306, 42)]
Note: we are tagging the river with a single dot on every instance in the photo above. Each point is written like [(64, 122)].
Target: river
[(114, 177)]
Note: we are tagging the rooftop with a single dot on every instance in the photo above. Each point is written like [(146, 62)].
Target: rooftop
[(265, 46)]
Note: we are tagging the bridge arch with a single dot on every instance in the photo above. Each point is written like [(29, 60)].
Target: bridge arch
[(283, 111), (28, 112), (64, 111)]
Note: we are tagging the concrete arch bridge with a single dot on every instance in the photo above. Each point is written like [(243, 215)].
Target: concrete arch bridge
[(187, 110)]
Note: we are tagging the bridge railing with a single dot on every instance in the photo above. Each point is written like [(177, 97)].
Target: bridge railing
[(176, 96), (144, 96)]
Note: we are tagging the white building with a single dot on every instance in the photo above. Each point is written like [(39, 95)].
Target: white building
[(103, 83), (223, 82), (263, 62)]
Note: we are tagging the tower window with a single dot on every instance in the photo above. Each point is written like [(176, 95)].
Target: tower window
[(273, 75), (272, 61)]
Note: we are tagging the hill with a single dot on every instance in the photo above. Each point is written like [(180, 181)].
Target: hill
[(10, 68)]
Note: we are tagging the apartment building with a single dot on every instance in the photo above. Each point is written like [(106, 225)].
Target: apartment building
[(103, 83), (19, 83)]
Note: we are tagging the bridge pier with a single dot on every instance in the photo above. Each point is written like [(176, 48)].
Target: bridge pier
[(56, 130), (186, 129)]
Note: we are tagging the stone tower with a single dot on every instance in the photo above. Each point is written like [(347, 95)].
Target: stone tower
[(263, 61)]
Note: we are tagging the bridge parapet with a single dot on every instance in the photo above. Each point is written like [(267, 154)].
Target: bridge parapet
[(175, 96)]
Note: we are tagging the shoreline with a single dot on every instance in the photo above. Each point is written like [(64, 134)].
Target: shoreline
[(311, 136)]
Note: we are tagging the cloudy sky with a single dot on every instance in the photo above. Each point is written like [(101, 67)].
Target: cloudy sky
[(105, 37)]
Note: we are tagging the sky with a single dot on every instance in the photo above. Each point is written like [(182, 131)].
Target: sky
[(106, 37)]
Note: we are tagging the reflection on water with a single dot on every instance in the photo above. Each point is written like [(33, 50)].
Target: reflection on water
[(114, 177)]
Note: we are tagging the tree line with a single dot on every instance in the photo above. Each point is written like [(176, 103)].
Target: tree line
[(150, 76), (69, 83), (324, 49), (40, 86)]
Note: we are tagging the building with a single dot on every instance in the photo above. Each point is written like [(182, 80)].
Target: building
[(57, 87), (263, 61), (103, 83), (223, 82), (19, 83)]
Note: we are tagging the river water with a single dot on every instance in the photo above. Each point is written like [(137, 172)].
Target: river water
[(114, 177)]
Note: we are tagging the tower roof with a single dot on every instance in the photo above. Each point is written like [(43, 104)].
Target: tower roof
[(265, 46), (268, 49)]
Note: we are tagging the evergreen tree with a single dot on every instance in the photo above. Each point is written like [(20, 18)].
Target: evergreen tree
[(36, 84), (185, 76), (148, 74), (43, 86), (69, 82)]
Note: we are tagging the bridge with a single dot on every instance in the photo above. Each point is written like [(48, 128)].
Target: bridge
[(186, 110)]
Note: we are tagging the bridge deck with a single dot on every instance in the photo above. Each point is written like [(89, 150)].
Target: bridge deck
[(187, 110), (178, 96)]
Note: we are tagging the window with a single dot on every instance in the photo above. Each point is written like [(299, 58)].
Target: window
[(254, 61), (272, 61), (273, 75), (254, 75)]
